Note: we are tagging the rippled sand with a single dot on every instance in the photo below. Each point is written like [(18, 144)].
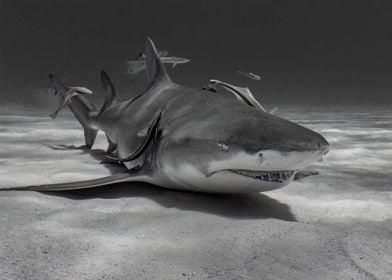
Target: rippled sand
[(336, 225)]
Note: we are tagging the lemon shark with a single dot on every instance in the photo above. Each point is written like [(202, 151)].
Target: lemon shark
[(182, 138)]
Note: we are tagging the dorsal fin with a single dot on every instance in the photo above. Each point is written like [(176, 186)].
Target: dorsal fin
[(156, 72), (109, 91)]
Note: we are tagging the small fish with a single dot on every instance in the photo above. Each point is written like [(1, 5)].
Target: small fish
[(273, 110), (161, 53), (138, 65), (66, 98), (249, 75), (242, 94)]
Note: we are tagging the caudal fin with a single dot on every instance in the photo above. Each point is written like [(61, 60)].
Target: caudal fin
[(79, 105)]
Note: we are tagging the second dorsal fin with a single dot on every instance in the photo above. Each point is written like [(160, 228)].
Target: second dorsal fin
[(156, 72), (109, 91)]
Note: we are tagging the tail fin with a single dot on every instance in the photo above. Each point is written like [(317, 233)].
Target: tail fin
[(80, 107)]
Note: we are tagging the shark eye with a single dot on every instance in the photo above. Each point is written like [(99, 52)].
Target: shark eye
[(224, 146)]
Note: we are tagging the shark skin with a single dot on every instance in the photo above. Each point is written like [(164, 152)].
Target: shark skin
[(182, 138)]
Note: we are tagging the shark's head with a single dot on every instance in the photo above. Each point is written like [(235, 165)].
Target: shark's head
[(237, 149), (214, 143)]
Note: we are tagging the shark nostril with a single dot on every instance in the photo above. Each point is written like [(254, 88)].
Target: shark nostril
[(260, 157), (323, 146)]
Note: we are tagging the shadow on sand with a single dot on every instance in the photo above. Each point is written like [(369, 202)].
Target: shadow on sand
[(97, 154), (238, 206)]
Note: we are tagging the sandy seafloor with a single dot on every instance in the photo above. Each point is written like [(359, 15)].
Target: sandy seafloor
[(336, 225)]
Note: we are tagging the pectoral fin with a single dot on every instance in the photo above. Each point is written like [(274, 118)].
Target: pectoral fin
[(117, 178), (151, 134)]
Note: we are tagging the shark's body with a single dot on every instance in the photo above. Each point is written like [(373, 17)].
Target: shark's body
[(182, 138)]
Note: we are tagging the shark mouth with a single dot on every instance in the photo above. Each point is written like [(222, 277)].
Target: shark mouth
[(269, 176)]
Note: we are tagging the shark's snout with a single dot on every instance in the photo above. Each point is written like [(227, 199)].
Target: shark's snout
[(324, 146), (301, 150), (298, 138), (316, 142)]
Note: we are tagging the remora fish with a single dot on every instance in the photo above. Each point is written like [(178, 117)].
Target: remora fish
[(66, 98), (242, 94), (138, 65), (189, 139), (249, 75)]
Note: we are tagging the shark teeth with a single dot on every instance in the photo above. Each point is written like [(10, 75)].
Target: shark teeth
[(269, 176)]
